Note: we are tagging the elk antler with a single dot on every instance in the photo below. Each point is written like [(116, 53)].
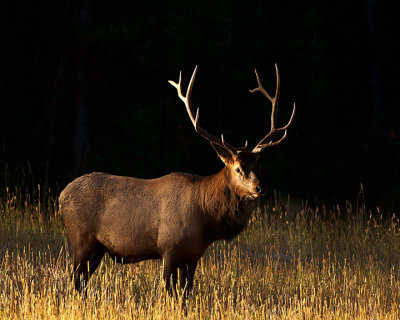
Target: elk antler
[(267, 141), (195, 120)]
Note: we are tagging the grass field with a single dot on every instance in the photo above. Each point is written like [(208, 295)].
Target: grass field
[(293, 262)]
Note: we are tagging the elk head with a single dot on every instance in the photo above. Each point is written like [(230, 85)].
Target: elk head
[(241, 163)]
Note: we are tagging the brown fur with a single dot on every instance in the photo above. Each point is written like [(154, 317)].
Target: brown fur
[(174, 218)]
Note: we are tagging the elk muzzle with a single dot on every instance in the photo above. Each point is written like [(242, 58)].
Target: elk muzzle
[(259, 189)]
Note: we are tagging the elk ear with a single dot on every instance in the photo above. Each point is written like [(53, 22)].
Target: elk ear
[(224, 154)]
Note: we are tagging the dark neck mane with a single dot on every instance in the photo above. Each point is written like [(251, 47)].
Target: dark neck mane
[(225, 212)]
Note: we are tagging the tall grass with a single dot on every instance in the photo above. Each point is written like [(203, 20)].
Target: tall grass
[(293, 262)]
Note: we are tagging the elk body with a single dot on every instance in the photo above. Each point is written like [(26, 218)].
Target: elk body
[(174, 217)]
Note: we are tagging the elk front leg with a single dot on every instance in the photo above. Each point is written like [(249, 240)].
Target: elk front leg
[(170, 272), (187, 271), (175, 270)]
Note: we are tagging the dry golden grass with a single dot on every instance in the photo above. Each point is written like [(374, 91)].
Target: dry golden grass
[(291, 263)]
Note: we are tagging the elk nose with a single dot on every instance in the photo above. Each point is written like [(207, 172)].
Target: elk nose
[(261, 189)]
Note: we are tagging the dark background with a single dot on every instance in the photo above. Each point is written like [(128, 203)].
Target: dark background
[(83, 87)]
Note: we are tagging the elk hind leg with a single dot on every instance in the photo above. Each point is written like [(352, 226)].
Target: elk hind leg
[(86, 261)]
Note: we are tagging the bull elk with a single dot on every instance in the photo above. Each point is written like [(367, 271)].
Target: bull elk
[(174, 217)]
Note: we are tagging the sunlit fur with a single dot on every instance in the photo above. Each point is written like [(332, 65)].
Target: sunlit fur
[(174, 217)]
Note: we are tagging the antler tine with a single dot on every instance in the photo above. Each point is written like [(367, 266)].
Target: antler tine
[(244, 148), (291, 117), (263, 144), (261, 147), (195, 120), (260, 87)]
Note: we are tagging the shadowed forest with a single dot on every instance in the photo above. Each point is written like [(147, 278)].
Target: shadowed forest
[(83, 87)]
